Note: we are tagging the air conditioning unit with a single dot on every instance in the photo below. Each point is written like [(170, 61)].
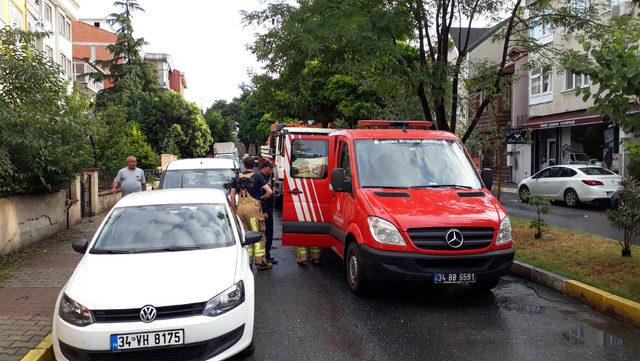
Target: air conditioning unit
[(621, 8)]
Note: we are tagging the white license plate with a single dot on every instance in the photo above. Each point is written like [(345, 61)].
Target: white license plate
[(449, 278), (147, 339)]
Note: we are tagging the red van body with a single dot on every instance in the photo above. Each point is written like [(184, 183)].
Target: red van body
[(349, 189)]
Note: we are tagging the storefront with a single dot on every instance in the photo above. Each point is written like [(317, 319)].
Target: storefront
[(570, 138)]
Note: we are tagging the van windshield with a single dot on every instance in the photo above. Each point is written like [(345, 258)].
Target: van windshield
[(414, 163), (199, 178)]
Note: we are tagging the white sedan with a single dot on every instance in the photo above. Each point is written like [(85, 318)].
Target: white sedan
[(166, 277), (572, 184)]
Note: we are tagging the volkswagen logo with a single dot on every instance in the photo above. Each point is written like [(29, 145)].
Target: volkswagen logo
[(148, 314), (454, 238)]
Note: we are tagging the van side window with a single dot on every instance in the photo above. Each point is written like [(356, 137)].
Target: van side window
[(309, 158), (345, 162)]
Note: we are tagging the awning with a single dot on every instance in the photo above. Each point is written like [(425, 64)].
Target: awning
[(562, 120)]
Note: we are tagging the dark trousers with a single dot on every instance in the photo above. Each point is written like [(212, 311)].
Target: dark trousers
[(269, 231)]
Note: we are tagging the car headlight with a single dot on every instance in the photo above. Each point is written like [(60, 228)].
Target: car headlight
[(74, 313), (229, 299), (504, 234), (385, 232)]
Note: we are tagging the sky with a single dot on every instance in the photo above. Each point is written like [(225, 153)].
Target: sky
[(206, 40)]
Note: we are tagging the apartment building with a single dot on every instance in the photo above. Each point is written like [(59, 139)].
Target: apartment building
[(168, 76), (14, 13), (550, 124), (90, 40)]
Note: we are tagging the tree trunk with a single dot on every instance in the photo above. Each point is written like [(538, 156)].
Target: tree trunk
[(626, 247)]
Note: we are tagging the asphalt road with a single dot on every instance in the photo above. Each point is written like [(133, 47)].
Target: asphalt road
[(310, 314), (585, 218)]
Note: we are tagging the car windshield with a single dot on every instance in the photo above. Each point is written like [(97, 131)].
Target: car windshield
[(202, 178), (408, 163), (165, 228), (596, 171)]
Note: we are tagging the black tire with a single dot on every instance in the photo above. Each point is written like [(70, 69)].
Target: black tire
[(247, 351), (485, 285), (523, 194), (571, 199), (354, 270)]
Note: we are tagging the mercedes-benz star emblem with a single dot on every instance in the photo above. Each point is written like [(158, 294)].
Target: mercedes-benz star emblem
[(148, 314), (454, 238)]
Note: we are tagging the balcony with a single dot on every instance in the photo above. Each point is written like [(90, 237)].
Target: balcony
[(82, 71)]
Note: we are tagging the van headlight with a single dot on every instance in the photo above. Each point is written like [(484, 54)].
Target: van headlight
[(74, 313), (385, 232), (504, 234), (226, 301)]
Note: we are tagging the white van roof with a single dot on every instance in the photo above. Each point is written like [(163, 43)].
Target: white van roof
[(201, 163)]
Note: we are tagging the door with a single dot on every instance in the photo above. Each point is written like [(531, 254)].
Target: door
[(306, 197), (558, 183), (551, 151), (342, 204), (539, 186)]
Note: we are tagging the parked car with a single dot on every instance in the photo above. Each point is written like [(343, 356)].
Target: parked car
[(572, 184), (166, 277), (396, 203), (215, 173)]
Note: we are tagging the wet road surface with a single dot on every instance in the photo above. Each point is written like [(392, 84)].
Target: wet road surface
[(310, 314), (585, 218)]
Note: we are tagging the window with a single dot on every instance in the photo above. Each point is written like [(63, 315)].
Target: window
[(596, 171), (542, 32), (540, 88), (309, 158), (566, 172), (578, 5), (199, 178), (63, 63), (345, 161), (68, 65), (16, 16), (49, 52), (48, 14), (61, 22), (547, 173), (573, 81), (67, 29)]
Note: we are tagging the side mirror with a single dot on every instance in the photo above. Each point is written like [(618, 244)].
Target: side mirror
[(80, 245), (251, 237), (338, 176), (487, 178)]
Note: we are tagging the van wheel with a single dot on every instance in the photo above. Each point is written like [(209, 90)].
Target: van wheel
[(523, 192), (356, 277), (247, 351), (486, 285), (571, 198)]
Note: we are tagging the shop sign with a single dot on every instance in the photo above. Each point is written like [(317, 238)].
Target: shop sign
[(516, 136)]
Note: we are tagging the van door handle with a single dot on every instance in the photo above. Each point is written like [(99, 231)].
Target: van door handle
[(295, 191)]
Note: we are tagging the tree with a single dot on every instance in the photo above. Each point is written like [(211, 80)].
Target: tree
[(173, 124), (41, 141), (627, 216), (222, 127), (409, 40), (614, 70), (543, 206)]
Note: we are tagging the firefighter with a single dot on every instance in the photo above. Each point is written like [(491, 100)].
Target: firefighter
[(251, 189)]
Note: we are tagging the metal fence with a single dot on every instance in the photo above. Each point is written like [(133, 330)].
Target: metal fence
[(105, 178)]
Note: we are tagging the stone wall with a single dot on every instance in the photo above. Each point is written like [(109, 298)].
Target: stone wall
[(106, 201)]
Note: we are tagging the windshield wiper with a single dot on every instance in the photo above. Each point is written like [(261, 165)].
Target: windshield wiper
[(441, 186), (169, 249), (110, 251)]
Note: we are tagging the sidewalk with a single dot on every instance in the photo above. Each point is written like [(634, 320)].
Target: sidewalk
[(28, 293)]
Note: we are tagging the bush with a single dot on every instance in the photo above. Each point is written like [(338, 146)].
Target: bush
[(543, 206), (42, 145), (627, 216)]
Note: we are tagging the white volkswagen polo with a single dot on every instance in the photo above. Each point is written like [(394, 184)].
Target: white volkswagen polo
[(166, 277)]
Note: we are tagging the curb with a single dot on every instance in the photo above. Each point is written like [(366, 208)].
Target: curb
[(603, 301), (42, 352)]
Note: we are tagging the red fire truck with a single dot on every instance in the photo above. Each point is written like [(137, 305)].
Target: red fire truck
[(396, 202)]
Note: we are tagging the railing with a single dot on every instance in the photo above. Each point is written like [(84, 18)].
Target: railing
[(82, 71)]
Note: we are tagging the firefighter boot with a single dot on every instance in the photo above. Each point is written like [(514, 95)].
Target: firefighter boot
[(315, 255), (301, 256)]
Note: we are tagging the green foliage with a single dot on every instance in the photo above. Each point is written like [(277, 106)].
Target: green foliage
[(249, 119), (627, 216), (171, 123), (41, 135), (222, 127), (543, 206), (614, 70)]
